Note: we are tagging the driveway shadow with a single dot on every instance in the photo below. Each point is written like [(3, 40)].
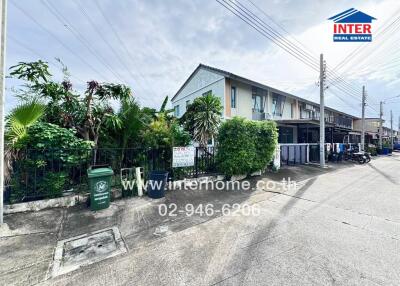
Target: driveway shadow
[(386, 176)]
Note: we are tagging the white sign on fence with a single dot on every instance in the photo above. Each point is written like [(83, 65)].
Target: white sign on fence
[(183, 156)]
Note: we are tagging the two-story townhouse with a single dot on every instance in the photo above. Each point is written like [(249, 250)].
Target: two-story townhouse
[(296, 117), (372, 126)]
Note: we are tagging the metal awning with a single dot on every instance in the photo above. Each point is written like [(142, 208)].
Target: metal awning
[(302, 121)]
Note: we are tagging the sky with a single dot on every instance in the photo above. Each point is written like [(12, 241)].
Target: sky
[(154, 45)]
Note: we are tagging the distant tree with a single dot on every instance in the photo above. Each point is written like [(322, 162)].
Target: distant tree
[(202, 118)]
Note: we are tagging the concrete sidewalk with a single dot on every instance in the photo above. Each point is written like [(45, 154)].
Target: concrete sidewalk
[(26, 250), (292, 231)]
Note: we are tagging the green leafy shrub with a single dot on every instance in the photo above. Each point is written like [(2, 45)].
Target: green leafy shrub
[(62, 144), (49, 153), (266, 141), (245, 146), (372, 150), (52, 184), (161, 134)]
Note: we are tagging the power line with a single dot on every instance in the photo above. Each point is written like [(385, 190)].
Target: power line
[(83, 11), (280, 26), (55, 64), (340, 64), (87, 16), (248, 20), (75, 32), (380, 35), (247, 16), (116, 34), (299, 51), (56, 38)]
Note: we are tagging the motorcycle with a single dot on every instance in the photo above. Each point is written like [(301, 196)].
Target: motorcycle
[(358, 156)]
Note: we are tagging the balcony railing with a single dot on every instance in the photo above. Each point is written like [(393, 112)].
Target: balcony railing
[(343, 122), (258, 115), (336, 120)]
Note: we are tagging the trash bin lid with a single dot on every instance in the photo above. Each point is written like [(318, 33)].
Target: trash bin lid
[(100, 172)]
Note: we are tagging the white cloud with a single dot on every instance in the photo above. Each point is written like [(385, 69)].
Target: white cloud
[(168, 39)]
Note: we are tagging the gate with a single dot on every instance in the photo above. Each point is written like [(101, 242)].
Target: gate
[(294, 154)]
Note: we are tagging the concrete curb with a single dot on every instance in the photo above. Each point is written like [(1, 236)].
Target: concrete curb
[(67, 201)]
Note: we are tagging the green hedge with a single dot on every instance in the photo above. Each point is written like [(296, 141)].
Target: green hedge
[(245, 146)]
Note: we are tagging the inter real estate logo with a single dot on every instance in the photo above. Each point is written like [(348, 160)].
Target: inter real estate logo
[(352, 26)]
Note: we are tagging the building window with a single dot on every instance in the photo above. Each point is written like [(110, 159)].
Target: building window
[(285, 135), (176, 110), (257, 103), (277, 104), (207, 93), (187, 103), (233, 97), (258, 99), (292, 108)]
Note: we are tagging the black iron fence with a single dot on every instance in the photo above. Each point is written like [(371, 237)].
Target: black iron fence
[(38, 174)]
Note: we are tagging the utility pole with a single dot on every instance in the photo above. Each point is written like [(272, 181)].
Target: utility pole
[(363, 119), (321, 111), (2, 97), (381, 125), (391, 129)]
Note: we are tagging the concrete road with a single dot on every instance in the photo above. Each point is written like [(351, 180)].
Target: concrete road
[(341, 227)]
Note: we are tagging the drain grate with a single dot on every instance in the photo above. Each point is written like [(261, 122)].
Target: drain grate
[(87, 249)]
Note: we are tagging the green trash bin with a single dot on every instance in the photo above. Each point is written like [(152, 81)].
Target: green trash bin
[(100, 187)]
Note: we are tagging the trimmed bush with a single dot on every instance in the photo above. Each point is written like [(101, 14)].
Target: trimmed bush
[(266, 142), (245, 146)]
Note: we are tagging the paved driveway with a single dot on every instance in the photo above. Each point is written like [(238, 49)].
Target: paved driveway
[(339, 228)]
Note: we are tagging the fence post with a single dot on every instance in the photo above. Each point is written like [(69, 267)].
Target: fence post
[(196, 163), (153, 159)]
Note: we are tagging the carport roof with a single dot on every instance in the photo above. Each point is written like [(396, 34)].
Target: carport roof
[(301, 121)]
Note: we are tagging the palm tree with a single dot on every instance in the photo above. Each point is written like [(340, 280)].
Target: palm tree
[(206, 118), (22, 117), (131, 121), (18, 121)]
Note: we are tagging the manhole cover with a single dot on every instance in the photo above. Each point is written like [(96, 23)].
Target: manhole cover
[(86, 249)]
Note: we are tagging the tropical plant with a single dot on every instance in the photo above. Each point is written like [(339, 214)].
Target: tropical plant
[(17, 123), (34, 72), (22, 117), (128, 132), (87, 113), (48, 151), (132, 122), (202, 118)]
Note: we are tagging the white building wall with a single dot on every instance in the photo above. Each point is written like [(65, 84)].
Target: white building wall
[(244, 101), (287, 109), (203, 81)]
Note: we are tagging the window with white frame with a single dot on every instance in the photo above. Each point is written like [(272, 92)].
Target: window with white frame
[(176, 110), (233, 97), (277, 104)]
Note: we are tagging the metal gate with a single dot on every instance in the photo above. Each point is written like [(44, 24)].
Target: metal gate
[(294, 154)]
